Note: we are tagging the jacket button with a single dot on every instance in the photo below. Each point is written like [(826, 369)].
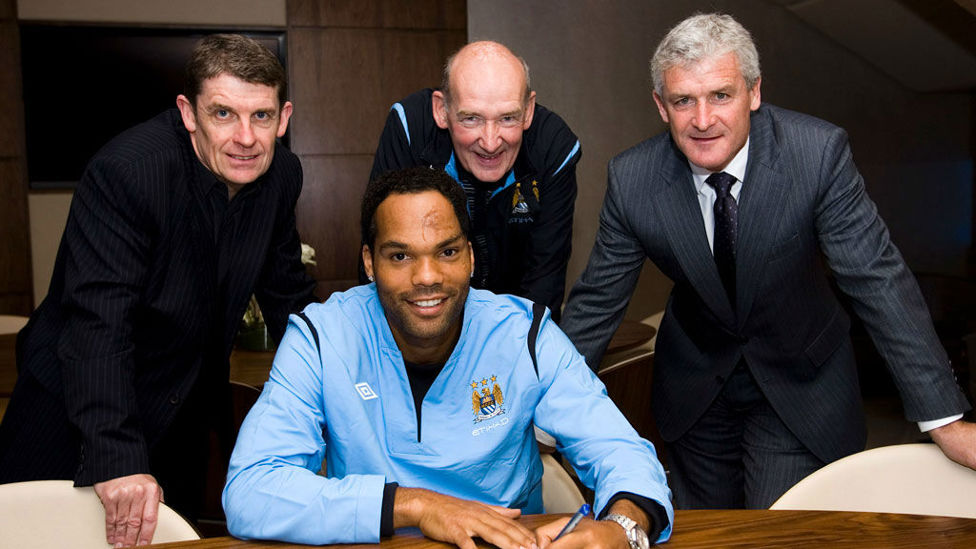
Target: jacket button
[(174, 400)]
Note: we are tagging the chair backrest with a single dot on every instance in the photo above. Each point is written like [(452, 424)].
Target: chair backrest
[(53, 513), (559, 493), (906, 478)]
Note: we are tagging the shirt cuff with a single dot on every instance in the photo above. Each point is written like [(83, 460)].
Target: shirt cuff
[(656, 514), (926, 426)]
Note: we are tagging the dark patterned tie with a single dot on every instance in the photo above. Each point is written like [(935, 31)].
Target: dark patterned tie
[(726, 220)]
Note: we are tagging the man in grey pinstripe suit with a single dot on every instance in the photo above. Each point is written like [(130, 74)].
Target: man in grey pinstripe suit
[(123, 368), (755, 384)]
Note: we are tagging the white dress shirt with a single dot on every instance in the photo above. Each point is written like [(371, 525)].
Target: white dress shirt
[(706, 200)]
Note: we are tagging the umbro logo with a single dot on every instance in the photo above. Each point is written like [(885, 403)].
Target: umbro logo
[(365, 391)]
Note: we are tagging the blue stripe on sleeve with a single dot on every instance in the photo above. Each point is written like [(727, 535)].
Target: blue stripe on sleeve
[(571, 154), (403, 120)]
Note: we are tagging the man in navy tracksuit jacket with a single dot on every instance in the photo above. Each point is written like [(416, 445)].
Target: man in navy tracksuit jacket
[(515, 160)]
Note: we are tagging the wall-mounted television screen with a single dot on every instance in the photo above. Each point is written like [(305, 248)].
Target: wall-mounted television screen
[(84, 85)]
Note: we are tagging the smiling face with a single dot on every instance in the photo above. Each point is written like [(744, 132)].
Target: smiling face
[(707, 106), (487, 109), (422, 265), (233, 127)]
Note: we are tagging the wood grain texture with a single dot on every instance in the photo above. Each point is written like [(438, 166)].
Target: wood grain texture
[(328, 213), (735, 529), (344, 81), (764, 528), (16, 286), (16, 289), (8, 364), (12, 115), (417, 14)]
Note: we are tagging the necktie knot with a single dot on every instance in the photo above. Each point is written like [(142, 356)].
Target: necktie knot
[(721, 182)]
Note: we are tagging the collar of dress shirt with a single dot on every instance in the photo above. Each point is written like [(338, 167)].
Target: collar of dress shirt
[(735, 168)]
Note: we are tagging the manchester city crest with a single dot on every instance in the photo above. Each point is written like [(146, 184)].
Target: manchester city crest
[(521, 211), (486, 398)]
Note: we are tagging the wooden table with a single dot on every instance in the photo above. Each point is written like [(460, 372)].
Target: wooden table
[(738, 528), (630, 334)]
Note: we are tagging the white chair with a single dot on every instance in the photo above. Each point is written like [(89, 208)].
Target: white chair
[(559, 493), (906, 478), (53, 513)]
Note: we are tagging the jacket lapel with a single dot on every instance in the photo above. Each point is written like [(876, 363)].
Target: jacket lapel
[(682, 219), (760, 211)]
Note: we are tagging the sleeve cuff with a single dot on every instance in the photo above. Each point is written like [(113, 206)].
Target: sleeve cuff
[(655, 512), (926, 426)]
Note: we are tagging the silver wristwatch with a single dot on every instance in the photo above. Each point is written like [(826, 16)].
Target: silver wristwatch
[(636, 537)]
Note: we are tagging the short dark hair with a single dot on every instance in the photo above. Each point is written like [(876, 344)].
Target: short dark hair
[(238, 56), (411, 181)]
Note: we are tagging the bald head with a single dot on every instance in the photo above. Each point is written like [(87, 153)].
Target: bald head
[(485, 60), (485, 104)]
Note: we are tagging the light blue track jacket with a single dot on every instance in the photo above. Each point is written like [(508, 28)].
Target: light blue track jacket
[(351, 404)]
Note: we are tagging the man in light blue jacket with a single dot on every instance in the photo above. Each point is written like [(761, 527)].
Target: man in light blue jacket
[(422, 394)]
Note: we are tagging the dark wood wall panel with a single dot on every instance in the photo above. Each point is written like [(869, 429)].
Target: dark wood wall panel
[(414, 14), (348, 63), (12, 113), (333, 229), (349, 78), (16, 293)]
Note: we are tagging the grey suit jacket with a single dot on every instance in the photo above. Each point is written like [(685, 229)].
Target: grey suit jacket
[(803, 209)]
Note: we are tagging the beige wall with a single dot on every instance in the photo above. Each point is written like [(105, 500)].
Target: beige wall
[(589, 63), (49, 210), (255, 13)]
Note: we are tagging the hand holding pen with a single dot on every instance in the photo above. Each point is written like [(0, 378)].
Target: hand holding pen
[(584, 510)]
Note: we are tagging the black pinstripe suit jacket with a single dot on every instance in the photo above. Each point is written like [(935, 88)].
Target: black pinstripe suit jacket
[(802, 200), (135, 315)]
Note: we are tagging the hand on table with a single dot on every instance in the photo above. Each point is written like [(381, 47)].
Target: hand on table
[(601, 534), (458, 521), (957, 441), (131, 509)]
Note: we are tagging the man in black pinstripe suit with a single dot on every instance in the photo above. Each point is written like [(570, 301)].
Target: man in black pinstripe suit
[(123, 367), (755, 384)]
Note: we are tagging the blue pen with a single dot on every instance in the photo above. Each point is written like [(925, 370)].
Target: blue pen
[(583, 511)]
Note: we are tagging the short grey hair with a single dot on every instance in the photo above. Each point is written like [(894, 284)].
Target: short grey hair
[(449, 64), (704, 36)]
